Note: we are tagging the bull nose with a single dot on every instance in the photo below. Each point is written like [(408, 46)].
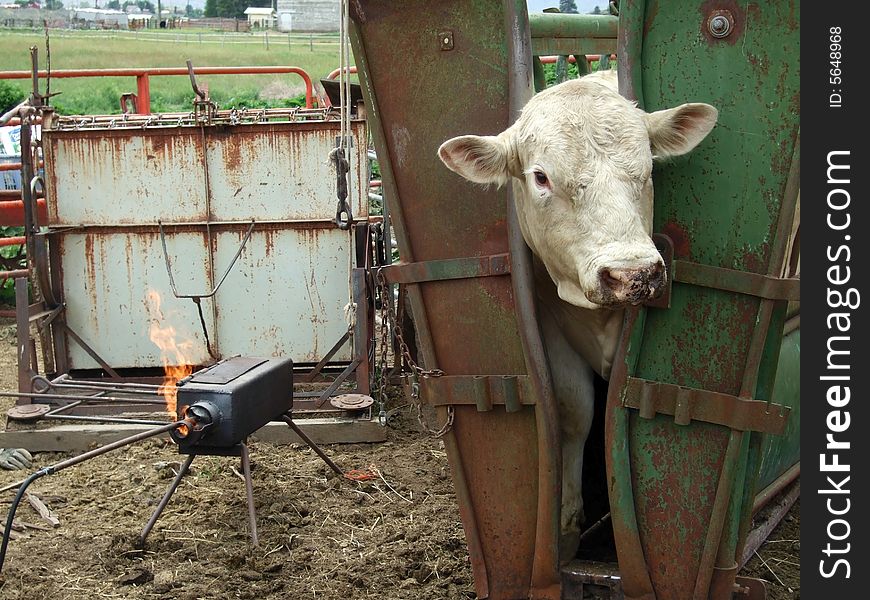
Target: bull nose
[(634, 285)]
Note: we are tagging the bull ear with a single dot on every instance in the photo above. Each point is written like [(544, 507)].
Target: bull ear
[(481, 159), (676, 131)]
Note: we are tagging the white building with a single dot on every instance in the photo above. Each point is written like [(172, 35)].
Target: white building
[(308, 15), (260, 18), (105, 18)]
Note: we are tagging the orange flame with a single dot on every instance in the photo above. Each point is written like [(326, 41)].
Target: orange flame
[(174, 354)]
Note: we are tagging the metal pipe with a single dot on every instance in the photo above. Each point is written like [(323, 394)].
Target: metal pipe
[(249, 493), (317, 450), (151, 391), (546, 25), (778, 484), (758, 535), (185, 467), (167, 71), (85, 398), (791, 325), (91, 419)]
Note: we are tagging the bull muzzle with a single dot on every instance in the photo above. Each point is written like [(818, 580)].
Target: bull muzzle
[(621, 286)]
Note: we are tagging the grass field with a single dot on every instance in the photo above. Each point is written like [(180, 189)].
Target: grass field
[(318, 55)]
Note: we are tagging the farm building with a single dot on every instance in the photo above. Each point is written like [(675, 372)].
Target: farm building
[(308, 15), (260, 18), (99, 18)]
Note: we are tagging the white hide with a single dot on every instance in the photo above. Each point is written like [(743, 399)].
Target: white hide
[(580, 160)]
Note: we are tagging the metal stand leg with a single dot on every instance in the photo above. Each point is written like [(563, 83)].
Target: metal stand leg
[(249, 490), (185, 467), (289, 420)]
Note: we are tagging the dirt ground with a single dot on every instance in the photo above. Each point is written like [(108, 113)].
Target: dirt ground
[(395, 537)]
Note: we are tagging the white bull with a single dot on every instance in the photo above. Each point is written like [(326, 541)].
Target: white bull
[(580, 159)]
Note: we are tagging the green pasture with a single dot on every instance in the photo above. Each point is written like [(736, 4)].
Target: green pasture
[(318, 55)]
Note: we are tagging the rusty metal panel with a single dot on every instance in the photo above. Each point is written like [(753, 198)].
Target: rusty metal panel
[(125, 177), (110, 181), (272, 172), (286, 294), (505, 465), (106, 279)]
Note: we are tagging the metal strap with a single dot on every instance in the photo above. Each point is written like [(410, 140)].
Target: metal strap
[(689, 404), (484, 391), (732, 280), (451, 268)]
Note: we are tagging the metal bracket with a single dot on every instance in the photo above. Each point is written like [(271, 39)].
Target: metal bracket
[(451, 268), (484, 391), (720, 278), (741, 282), (687, 404)]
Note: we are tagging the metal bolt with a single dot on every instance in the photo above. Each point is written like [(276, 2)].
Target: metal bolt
[(445, 38), (719, 25)]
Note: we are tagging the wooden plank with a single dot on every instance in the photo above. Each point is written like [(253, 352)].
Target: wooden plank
[(44, 512), (77, 437)]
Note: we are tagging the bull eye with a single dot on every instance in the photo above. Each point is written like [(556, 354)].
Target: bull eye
[(541, 179)]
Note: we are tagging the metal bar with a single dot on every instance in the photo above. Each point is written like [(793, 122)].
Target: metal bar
[(311, 444), (143, 94), (166, 71), (760, 534), (222, 279), (185, 467), (741, 282), (717, 518), (361, 331), (324, 396), (108, 399), (12, 213), (632, 561), (249, 492), (690, 404), (95, 419), (63, 408), (545, 577), (309, 377), (791, 325), (16, 274), (778, 484), (454, 268), (545, 25), (511, 391), (90, 351), (22, 323)]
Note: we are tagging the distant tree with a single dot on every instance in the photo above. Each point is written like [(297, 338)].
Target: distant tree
[(188, 10), (596, 10), (113, 4), (211, 10), (54, 5), (145, 6), (568, 6)]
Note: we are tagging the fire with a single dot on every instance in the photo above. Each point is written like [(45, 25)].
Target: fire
[(173, 353)]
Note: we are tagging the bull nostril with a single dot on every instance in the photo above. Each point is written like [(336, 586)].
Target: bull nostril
[(608, 280)]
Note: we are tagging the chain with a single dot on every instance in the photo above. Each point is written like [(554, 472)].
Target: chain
[(388, 318)]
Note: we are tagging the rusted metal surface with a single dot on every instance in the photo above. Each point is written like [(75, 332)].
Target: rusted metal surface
[(454, 268), (732, 280), (687, 404), (286, 293), (505, 465), (681, 503)]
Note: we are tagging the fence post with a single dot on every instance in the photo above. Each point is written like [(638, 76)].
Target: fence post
[(311, 42), (266, 35)]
